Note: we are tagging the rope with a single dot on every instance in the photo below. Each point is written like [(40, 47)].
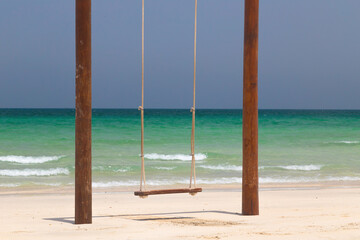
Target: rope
[(192, 175), (141, 108)]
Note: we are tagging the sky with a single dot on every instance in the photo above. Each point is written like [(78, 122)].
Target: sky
[(308, 54)]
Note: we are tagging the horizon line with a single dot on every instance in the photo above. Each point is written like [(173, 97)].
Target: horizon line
[(299, 109)]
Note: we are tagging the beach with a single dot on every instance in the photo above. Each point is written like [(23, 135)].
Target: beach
[(308, 174), (308, 212), (278, 134)]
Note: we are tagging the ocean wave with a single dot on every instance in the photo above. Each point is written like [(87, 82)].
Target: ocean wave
[(239, 168), (110, 168), (182, 157), (129, 183), (115, 184), (9, 185), (223, 180), (13, 185), (348, 142), (47, 184), (344, 142), (306, 179), (201, 181), (165, 168), (285, 180), (34, 172), (301, 167), (97, 168), (164, 182), (29, 159), (346, 178), (222, 167)]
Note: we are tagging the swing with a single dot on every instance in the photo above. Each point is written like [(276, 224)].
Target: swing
[(192, 190)]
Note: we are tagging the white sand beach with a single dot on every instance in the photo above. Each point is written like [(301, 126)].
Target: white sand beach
[(304, 213)]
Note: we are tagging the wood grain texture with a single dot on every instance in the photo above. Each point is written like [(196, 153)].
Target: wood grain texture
[(168, 191), (250, 192), (83, 191)]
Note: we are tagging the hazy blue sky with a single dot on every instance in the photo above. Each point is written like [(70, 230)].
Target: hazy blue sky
[(309, 53)]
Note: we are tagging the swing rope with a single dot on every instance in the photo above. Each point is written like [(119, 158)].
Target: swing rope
[(141, 108), (192, 110), (192, 175)]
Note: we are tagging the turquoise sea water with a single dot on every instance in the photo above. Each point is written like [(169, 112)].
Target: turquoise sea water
[(37, 146)]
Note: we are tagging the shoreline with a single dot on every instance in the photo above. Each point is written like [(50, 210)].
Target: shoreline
[(208, 188)]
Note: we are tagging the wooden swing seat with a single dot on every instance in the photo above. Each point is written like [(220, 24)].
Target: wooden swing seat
[(191, 191)]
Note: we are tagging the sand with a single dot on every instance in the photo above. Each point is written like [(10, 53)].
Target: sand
[(301, 213)]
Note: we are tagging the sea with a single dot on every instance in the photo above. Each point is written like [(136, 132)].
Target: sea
[(295, 146)]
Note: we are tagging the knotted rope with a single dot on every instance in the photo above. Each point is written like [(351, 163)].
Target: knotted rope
[(192, 110), (193, 175), (141, 108)]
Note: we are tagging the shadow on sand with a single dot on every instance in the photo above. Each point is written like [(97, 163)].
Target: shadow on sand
[(70, 220)]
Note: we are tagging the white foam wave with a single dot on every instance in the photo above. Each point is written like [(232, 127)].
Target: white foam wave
[(34, 172), (306, 179), (239, 168), (348, 142), (97, 168), (110, 168), (204, 181), (29, 159), (219, 180), (114, 184), (222, 167), (302, 167), (182, 157), (165, 182), (48, 184), (346, 178), (284, 180), (345, 142), (9, 185), (136, 183), (165, 168)]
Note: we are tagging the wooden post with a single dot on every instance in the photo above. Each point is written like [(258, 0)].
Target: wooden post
[(250, 178), (83, 191)]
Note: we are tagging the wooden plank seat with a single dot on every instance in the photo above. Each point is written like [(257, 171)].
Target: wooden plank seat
[(191, 191)]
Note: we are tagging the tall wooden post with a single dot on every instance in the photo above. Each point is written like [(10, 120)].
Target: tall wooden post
[(83, 191), (250, 179)]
